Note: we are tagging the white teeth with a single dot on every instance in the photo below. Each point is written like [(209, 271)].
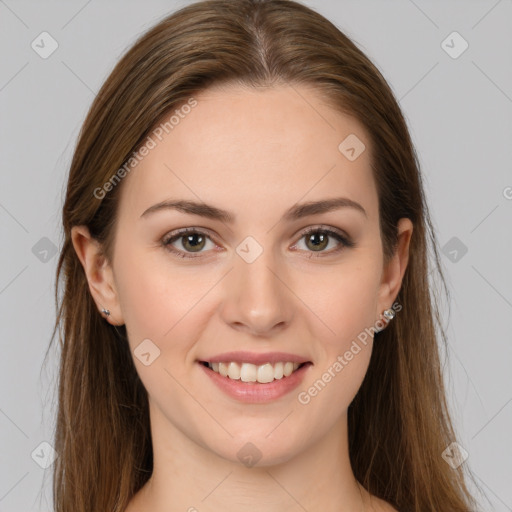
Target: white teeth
[(265, 373), (233, 371), (278, 371), (248, 372), (288, 369), (223, 369)]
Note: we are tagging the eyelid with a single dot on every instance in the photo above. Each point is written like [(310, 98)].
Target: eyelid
[(325, 228), (182, 231)]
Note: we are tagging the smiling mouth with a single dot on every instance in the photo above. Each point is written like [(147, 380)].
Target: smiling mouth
[(248, 372)]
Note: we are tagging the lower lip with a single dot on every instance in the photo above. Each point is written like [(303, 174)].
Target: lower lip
[(254, 392)]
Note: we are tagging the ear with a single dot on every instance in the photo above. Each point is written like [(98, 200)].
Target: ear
[(394, 270), (98, 272)]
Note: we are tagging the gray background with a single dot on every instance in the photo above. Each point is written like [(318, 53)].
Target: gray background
[(459, 112)]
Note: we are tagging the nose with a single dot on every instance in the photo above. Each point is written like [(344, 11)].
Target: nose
[(257, 299)]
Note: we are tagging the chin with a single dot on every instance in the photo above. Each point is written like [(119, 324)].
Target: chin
[(260, 450)]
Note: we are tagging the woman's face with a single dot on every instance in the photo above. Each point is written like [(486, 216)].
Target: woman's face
[(252, 283)]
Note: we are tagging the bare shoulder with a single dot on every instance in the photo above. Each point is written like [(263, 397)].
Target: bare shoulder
[(134, 504), (379, 505)]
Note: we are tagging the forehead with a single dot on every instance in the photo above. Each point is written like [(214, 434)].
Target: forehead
[(239, 146)]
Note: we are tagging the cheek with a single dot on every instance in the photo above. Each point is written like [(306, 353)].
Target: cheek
[(347, 305), (343, 358), (157, 301), (164, 305), (344, 301)]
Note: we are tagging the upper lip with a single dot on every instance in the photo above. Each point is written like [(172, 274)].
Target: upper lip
[(256, 359)]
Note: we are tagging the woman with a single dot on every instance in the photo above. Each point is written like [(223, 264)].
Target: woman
[(247, 322)]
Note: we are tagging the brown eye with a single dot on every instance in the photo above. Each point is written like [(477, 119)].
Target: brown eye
[(186, 242), (317, 241), (193, 242)]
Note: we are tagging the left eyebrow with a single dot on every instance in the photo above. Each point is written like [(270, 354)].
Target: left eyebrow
[(316, 207), (296, 212)]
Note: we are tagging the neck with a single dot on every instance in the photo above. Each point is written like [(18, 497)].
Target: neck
[(187, 476)]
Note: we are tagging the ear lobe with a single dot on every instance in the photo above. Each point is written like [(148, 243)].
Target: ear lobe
[(395, 269), (98, 272)]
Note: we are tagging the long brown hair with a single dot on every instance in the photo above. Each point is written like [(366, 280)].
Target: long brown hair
[(399, 422)]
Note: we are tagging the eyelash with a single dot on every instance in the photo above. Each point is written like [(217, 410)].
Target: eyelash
[(345, 242)]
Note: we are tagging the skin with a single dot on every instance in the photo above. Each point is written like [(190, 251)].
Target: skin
[(255, 153)]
